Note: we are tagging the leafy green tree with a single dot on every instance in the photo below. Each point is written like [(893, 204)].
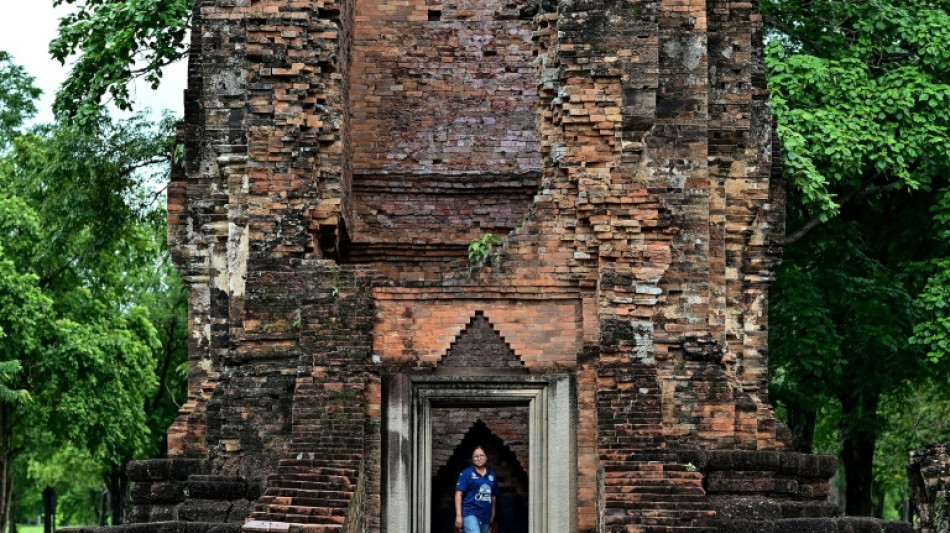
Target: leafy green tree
[(153, 282), (914, 417), (17, 96), (113, 42), (26, 318), (860, 90), (78, 221)]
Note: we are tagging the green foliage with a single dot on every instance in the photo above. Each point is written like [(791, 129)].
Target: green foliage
[(113, 42), (914, 417), (94, 313), (841, 316), (17, 94), (862, 96), (8, 371), (934, 303), (27, 316), (858, 315), (75, 475), (480, 249)]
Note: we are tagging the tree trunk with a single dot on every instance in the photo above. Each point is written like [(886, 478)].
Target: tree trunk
[(881, 497), (6, 464), (118, 484), (49, 510), (801, 422), (102, 507), (857, 454), (14, 505)]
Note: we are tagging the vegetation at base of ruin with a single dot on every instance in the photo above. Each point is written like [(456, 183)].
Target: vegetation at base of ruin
[(858, 317), (93, 323)]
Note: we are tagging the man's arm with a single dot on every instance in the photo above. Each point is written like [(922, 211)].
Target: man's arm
[(458, 509), (494, 504)]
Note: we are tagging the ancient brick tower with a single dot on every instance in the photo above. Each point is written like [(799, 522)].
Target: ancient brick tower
[(611, 351)]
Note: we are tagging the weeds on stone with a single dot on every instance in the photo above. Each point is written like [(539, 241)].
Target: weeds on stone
[(480, 249)]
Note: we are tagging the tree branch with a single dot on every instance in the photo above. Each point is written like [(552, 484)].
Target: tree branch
[(859, 194), (787, 30)]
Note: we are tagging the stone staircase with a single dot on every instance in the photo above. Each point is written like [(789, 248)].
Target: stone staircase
[(647, 488), (651, 492), (315, 488), (310, 491)]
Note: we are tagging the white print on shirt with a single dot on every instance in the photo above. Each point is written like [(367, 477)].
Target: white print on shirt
[(484, 493)]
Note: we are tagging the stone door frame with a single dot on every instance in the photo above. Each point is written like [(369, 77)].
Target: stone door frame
[(407, 444)]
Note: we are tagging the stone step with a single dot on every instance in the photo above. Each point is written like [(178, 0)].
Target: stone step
[(259, 526), (294, 518), (305, 501), (348, 461), (337, 456), (660, 506), (306, 510), (336, 484), (313, 474), (281, 492), (317, 470)]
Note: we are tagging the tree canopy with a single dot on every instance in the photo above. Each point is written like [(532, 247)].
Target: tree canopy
[(861, 93), (85, 366), (112, 43)]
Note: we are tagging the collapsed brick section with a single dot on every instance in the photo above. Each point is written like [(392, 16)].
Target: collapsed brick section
[(341, 155), (443, 108)]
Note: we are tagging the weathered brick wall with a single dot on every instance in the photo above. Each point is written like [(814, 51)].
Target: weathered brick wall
[(444, 147), (929, 473), (262, 189), (623, 150), (444, 86)]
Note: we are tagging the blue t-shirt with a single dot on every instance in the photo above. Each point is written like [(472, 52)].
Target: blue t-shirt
[(477, 493)]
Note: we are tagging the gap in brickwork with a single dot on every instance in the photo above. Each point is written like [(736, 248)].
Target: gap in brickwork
[(479, 345), (442, 136), (504, 451)]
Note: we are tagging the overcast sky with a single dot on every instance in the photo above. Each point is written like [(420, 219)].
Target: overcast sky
[(26, 28)]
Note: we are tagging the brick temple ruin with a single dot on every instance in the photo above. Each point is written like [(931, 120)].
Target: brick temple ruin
[(611, 352)]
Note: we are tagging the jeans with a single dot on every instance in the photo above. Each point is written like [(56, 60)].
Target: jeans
[(470, 524)]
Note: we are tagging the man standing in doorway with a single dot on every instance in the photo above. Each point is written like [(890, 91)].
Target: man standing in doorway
[(476, 494)]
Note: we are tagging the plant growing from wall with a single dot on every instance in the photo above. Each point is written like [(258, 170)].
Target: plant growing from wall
[(480, 249)]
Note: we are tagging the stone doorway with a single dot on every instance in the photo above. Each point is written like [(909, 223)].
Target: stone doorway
[(415, 469), (506, 457)]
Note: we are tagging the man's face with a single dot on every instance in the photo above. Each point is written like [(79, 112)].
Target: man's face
[(478, 458)]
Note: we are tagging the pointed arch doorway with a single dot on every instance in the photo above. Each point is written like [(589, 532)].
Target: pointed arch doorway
[(410, 402), (506, 445)]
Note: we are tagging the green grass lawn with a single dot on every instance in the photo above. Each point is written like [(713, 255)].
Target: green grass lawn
[(29, 529)]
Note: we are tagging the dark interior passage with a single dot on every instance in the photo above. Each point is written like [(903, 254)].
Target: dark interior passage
[(512, 512)]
